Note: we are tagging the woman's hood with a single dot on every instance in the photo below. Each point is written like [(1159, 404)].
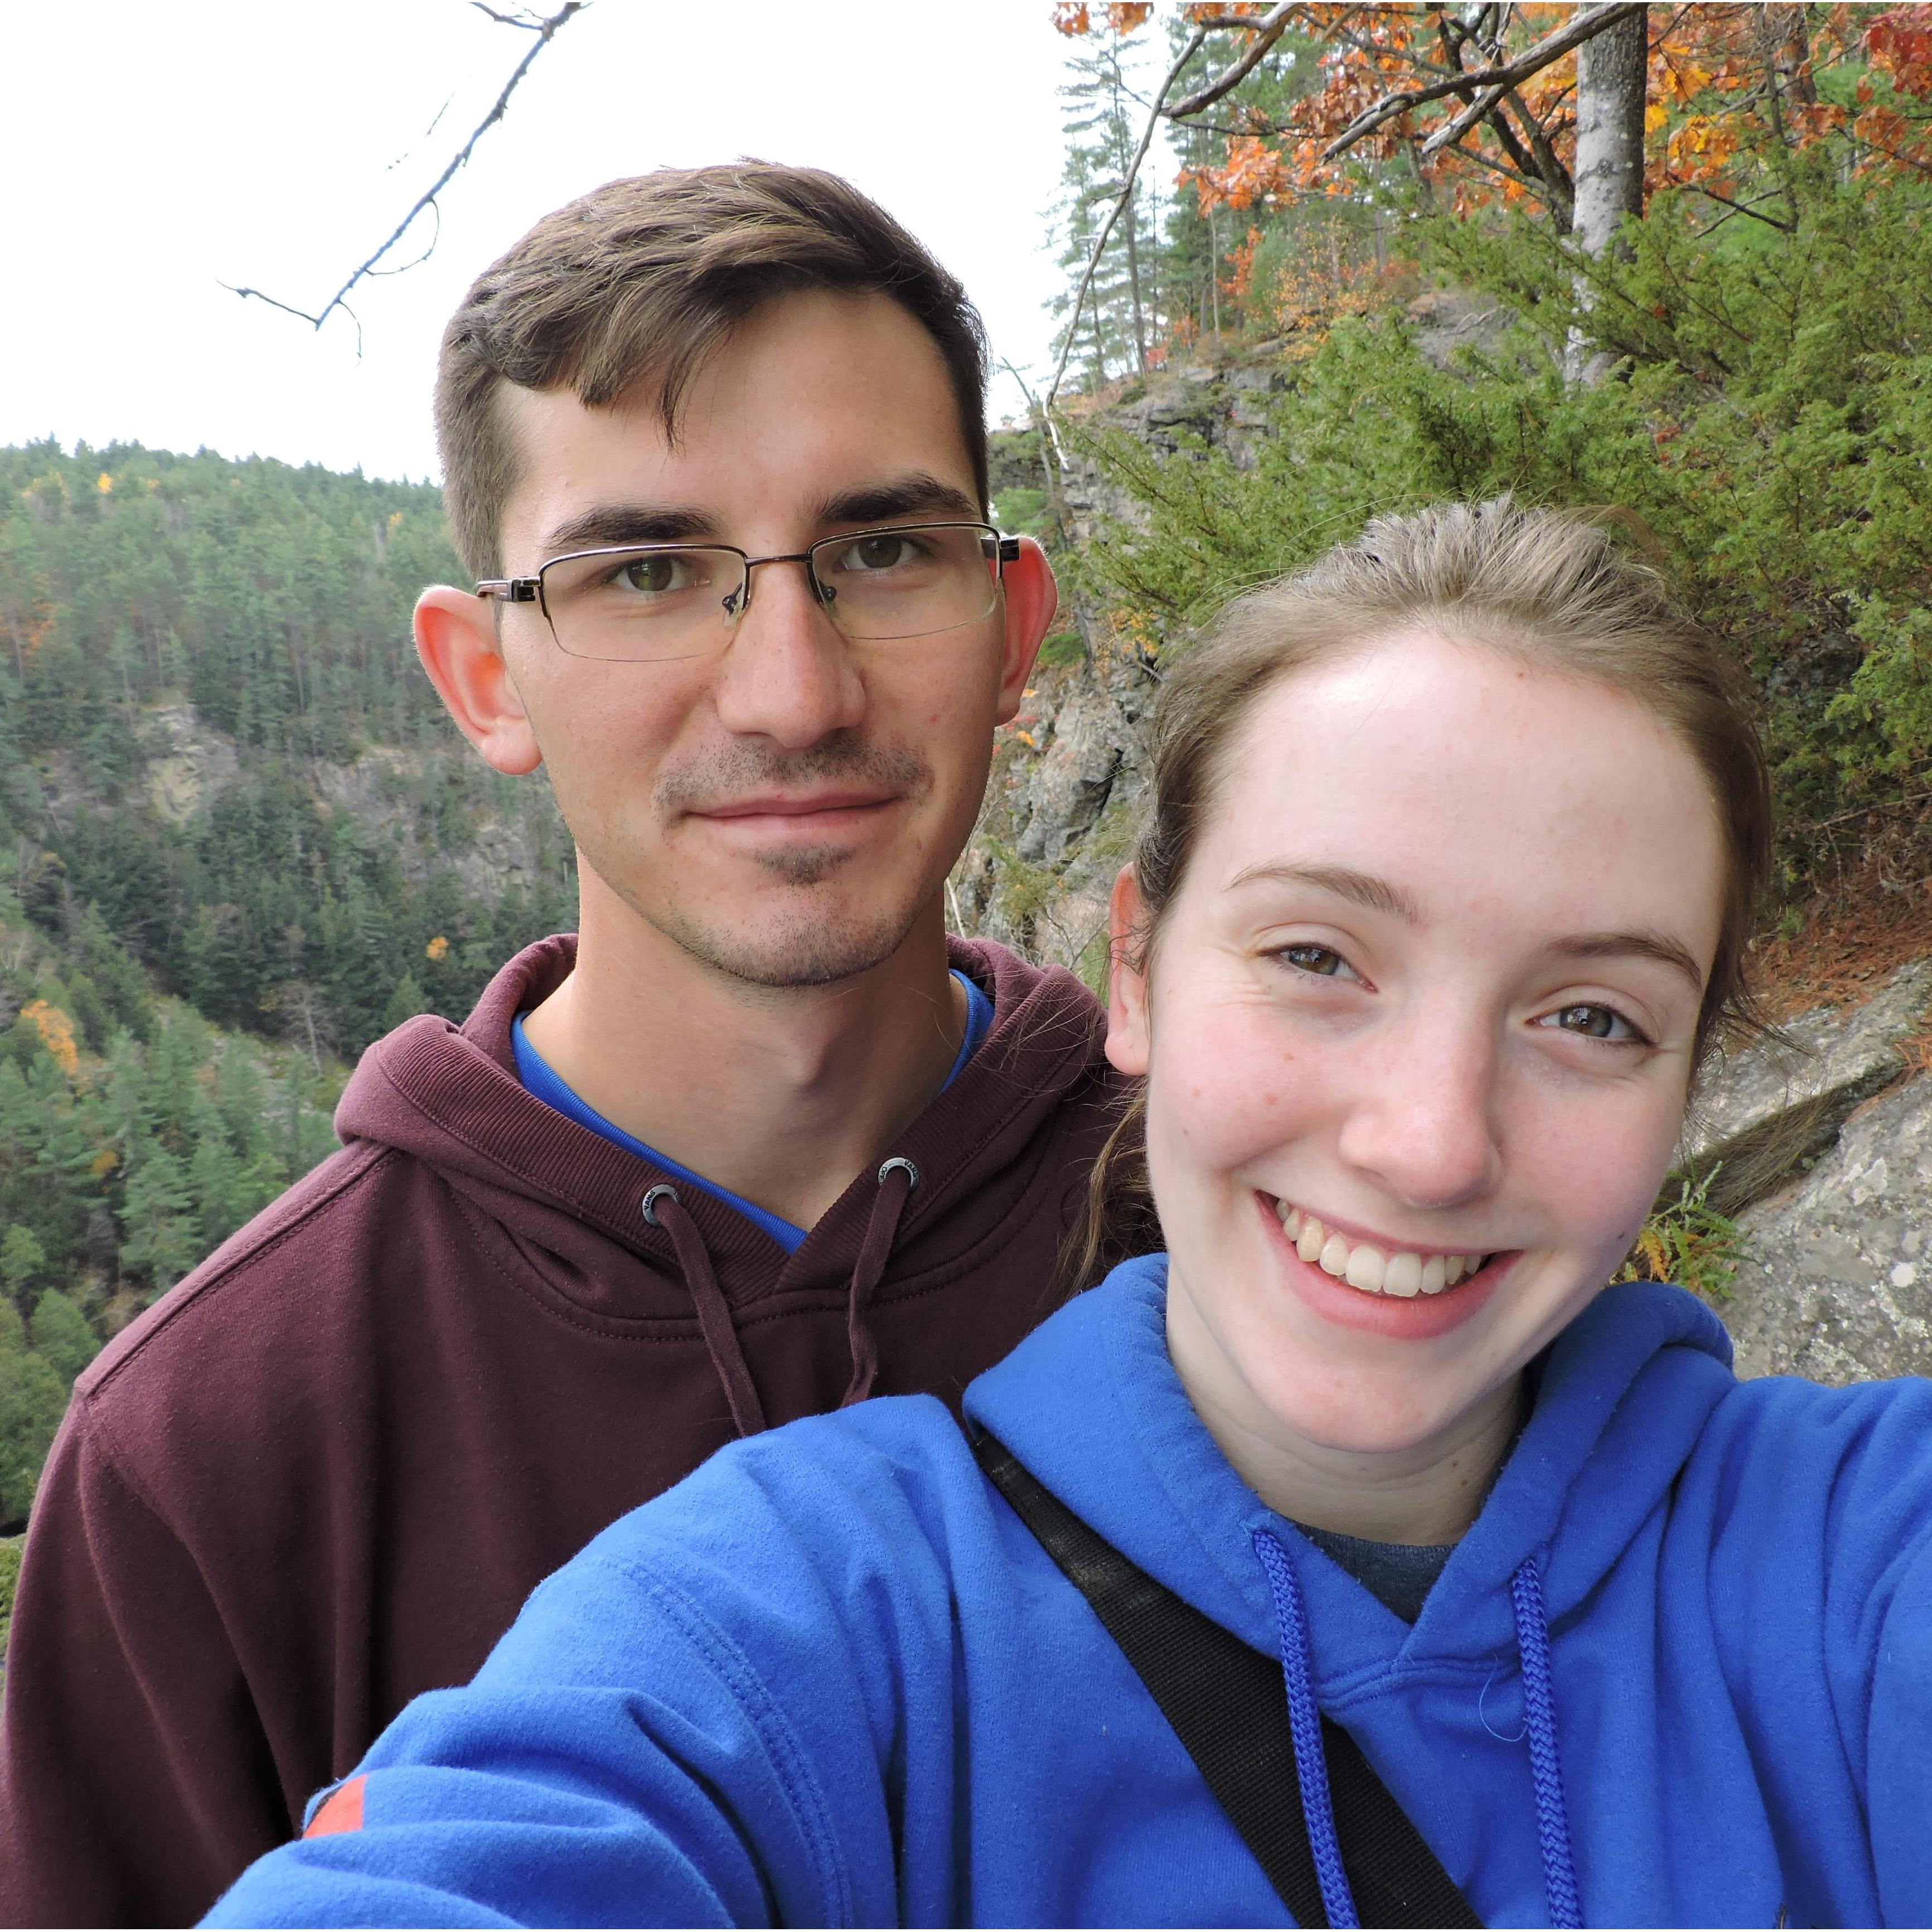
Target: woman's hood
[(1091, 1404)]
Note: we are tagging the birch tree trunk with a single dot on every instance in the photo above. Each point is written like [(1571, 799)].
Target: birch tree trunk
[(1612, 67)]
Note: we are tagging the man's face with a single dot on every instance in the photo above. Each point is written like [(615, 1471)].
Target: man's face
[(786, 807)]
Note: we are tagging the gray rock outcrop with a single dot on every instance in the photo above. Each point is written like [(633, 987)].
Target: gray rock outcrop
[(1777, 1104), (1836, 1283), (1827, 1152)]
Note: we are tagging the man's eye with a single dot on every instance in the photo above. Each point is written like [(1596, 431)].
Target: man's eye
[(1593, 1022), (885, 552), (1321, 959), (654, 576)]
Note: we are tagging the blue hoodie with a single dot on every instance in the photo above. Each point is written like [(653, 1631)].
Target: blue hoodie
[(831, 1679)]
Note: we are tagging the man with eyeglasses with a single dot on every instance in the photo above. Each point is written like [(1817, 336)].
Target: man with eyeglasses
[(760, 1140)]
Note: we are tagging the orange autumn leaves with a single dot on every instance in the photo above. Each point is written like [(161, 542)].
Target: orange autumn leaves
[(1727, 84)]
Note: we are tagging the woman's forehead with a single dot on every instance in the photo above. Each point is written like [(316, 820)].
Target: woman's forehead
[(1470, 780)]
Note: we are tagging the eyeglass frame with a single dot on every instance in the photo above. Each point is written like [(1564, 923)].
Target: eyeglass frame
[(1005, 550)]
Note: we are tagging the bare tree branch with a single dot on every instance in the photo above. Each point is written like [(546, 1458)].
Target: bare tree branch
[(1493, 83), (545, 30), (1187, 53), (1268, 29)]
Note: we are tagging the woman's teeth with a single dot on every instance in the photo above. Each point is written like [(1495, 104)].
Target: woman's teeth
[(1361, 1264)]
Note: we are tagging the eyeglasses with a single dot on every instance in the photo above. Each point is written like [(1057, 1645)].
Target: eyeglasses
[(647, 603)]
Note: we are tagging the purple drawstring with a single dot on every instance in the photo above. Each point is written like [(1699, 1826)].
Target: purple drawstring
[(1304, 1724), (1311, 1767), (1539, 1705), (661, 1208), (897, 1179)]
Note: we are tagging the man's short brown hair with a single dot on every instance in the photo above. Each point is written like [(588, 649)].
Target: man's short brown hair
[(640, 280)]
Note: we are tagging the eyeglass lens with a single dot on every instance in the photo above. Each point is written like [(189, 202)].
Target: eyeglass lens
[(675, 601)]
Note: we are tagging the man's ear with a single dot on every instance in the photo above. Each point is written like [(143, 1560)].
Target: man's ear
[(1128, 1037), (456, 639), (1032, 598)]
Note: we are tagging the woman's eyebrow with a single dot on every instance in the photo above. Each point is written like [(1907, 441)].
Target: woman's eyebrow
[(1657, 946), (1361, 889)]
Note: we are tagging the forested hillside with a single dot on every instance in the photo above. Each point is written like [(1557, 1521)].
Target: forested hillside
[(237, 840)]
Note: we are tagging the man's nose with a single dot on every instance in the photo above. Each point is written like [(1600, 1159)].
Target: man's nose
[(1425, 1122), (786, 673)]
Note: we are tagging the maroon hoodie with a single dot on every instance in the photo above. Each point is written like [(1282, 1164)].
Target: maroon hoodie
[(322, 1474)]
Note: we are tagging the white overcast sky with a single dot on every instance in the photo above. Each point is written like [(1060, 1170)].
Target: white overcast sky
[(151, 152)]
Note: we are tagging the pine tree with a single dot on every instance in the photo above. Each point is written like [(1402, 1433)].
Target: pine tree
[(1119, 320), (32, 1403)]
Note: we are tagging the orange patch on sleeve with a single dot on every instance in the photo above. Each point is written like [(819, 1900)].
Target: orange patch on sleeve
[(341, 1811)]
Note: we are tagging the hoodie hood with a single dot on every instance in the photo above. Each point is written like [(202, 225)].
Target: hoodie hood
[(1623, 1395), (449, 1096)]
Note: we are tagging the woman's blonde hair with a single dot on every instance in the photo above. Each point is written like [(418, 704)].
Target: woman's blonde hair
[(1553, 588)]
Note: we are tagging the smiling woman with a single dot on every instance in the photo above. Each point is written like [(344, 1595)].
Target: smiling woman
[(1436, 1582), (1448, 883)]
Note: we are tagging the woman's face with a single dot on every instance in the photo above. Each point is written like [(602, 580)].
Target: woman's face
[(1432, 981)]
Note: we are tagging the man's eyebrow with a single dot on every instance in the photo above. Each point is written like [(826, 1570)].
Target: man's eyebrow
[(1361, 889), (916, 495), (605, 526), (1657, 946)]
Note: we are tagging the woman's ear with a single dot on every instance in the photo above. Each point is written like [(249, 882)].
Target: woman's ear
[(456, 639), (1128, 1036)]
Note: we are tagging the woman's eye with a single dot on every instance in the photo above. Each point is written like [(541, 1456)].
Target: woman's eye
[(1593, 1022), (1321, 959)]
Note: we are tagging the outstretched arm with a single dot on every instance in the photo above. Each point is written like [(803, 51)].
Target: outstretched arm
[(701, 1720)]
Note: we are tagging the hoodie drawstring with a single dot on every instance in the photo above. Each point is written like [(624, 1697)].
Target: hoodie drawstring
[(1304, 1719), (663, 1209), (1304, 1725), (1539, 1705), (898, 1178)]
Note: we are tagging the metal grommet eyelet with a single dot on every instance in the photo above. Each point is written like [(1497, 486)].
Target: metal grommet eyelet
[(663, 1187), (899, 1160)]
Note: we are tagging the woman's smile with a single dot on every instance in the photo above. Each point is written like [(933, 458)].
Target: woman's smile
[(1404, 1292)]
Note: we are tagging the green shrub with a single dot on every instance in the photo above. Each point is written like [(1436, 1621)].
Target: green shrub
[(61, 1335), (9, 1572), (1688, 1241), (1766, 440), (32, 1403)]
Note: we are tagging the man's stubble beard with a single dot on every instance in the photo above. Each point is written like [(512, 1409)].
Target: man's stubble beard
[(812, 946)]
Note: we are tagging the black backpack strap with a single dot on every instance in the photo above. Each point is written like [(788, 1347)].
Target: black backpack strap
[(1228, 1706)]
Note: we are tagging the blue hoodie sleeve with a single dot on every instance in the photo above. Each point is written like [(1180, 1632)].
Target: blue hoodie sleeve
[(1820, 1598), (620, 1759), (1899, 1750)]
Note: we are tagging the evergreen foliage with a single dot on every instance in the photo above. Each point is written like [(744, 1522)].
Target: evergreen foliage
[(247, 624), (1121, 317), (1765, 441), (31, 1400)]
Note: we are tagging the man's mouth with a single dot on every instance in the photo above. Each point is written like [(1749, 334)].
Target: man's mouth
[(1375, 1269), (795, 805)]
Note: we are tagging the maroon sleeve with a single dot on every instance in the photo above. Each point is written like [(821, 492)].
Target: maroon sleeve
[(135, 1781)]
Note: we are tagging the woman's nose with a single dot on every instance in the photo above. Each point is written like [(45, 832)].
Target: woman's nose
[(1424, 1117)]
